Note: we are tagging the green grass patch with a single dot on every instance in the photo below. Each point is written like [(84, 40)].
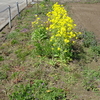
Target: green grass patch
[(37, 90)]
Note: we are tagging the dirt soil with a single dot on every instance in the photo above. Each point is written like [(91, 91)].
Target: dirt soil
[(87, 16)]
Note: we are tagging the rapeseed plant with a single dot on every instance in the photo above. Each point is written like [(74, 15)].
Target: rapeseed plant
[(61, 29), (62, 33)]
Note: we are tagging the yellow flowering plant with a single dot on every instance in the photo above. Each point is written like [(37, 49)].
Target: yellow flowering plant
[(40, 38), (39, 32), (62, 33)]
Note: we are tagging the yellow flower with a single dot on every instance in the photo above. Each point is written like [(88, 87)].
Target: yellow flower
[(38, 18), (57, 35), (52, 37), (58, 48), (79, 33), (73, 41), (32, 22), (48, 90), (73, 35), (36, 15), (47, 28), (50, 40), (52, 48), (66, 41), (74, 24)]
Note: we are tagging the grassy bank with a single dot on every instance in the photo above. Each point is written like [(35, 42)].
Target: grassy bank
[(32, 68)]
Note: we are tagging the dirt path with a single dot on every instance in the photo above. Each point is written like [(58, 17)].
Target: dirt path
[(87, 16)]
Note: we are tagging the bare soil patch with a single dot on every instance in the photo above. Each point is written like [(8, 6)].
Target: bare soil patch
[(87, 16)]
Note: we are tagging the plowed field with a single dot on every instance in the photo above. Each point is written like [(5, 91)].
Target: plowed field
[(87, 16)]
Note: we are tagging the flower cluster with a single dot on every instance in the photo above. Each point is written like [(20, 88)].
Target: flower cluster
[(62, 35), (62, 30), (36, 22), (61, 26)]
